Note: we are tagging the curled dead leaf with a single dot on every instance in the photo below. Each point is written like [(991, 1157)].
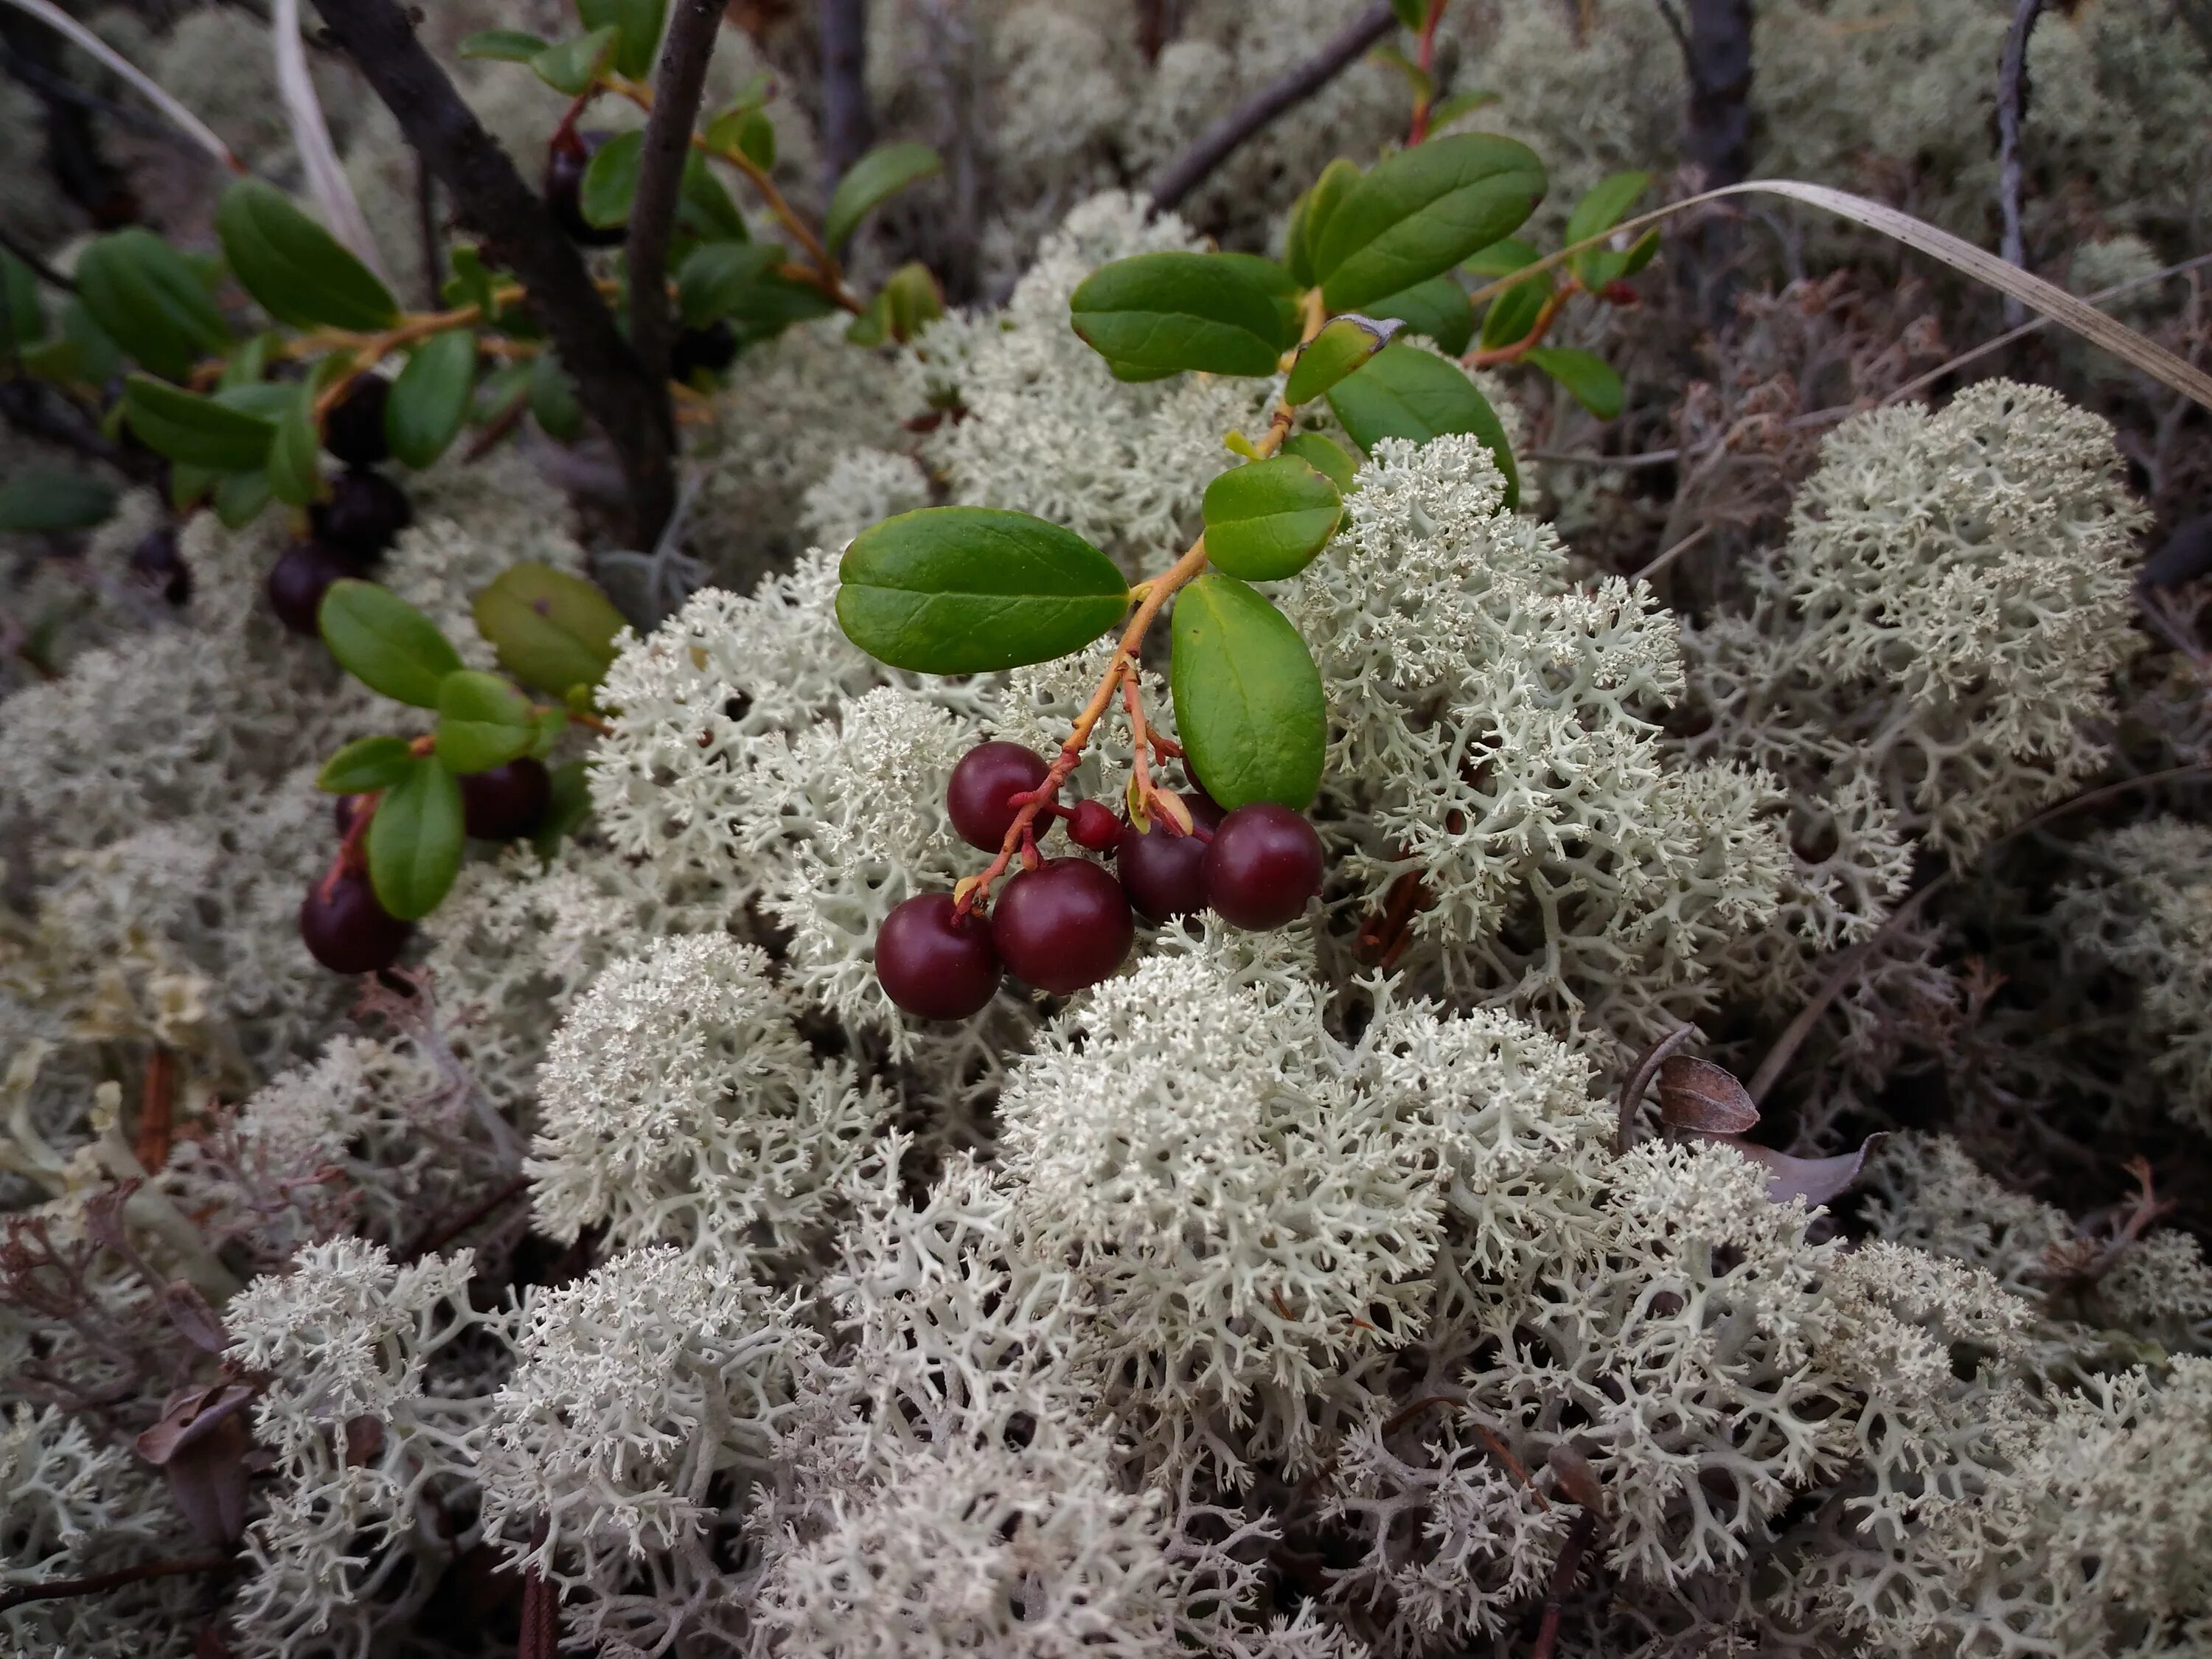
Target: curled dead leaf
[(1704, 1098)]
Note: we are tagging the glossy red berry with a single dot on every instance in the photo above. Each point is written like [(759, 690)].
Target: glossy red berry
[(977, 795), (570, 153), (1264, 864), (364, 515), (349, 931), (354, 429), (1162, 872), (1062, 925), (507, 801), (303, 573), (157, 563), (934, 965), (1092, 824)]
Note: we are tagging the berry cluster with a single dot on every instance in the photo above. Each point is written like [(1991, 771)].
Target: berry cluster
[(1064, 923), (364, 516)]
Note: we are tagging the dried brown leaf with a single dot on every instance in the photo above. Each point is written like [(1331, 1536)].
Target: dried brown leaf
[(1702, 1097)]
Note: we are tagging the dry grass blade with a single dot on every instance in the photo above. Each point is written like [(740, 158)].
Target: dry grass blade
[(311, 136), (55, 18)]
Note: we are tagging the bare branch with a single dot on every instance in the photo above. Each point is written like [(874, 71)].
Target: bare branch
[(60, 1589), (2012, 107), (676, 88), (848, 124)]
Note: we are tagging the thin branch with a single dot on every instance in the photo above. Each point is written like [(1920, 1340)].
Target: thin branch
[(848, 124), (426, 231), (1191, 168), (57, 1589), (520, 235), (37, 266), (676, 88), (2012, 108), (1638, 1080), (1563, 1580)]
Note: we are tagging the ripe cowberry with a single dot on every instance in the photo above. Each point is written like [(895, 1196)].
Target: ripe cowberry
[(565, 162), (300, 578), (1092, 824), (505, 801), (714, 349), (157, 563), (364, 515), (1264, 864), (348, 931), (1062, 925), (933, 964), (1162, 872), (354, 429), (977, 795)]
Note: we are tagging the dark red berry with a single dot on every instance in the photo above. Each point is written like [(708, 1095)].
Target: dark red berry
[(571, 153), (712, 349), (1264, 864), (349, 931), (300, 578), (364, 515), (344, 810), (157, 563), (505, 801), (977, 795), (354, 429), (1092, 824), (1162, 872), (1062, 925), (934, 965)]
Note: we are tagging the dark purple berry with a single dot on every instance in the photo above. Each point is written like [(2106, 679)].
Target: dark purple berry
[(1062, 925), (1093, 825), (1162, 872), (300, 578), (935, 964), (344, 810), (977, 795), (157, 563), (348, 931), (714, 349), (354, 429), (565, 162), (1264, 864), (505, 801), (364, 515)]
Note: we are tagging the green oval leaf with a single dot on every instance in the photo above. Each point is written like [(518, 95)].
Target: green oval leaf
[(1408, 392), (551, 630), (483, 721), (1311, 212), (503, 45), (611, 181), (965, 590), (704, 208), (1589, 379), (1437, 308), (1158, 314), (715, 275), (1268, 520), (569, 66), (1601, 209), (294, 462), (430, 398), (870, 182), (1343, 344), (296, 270), (145, 297), (1417, 214), (1326, 456), (415, 841), (637, 24), (240, 497), (50, 503), (364, 764), (1513, 314), (386, 643), (1247, 698), (553, 398), (197, 431)]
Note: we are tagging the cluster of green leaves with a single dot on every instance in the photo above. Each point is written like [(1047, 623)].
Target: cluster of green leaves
[(552, 631)]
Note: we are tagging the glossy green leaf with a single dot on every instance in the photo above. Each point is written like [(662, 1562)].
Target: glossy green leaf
[(870, 182), (715, 275), (553, 403), (1408, 392), (195, 431), (1266, 520), (569, 66), (1513, 314), (704, 207), (471, 284), (249, 363), (638, 26), (296, 269), (1326, 456), (22, 314), (755, 139), (1502, 258), (1419, 81), (1247, 698), (909, 301), (1458, 105), (568, 803), (1279, 286), (1161, 313), (1437, 308), (965, 590), (148, 301), (240, 497), (766, 307), (1311, 212), (295, 460), (1601, 209), (1417, 214), (188, 484), (551, 630), (415, 841), (1588, 377), (386, 643), (429, 400), (1343, 344), (504, 45), (611, 181), (547, 726), (364, 764), (96, 358), (482, 722), (50, 501), (1640, 252)]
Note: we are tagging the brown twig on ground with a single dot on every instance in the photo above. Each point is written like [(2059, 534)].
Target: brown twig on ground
[(2012, 109), (157, 1106), (1187, 171), (677, 89), (1563, 1580), (58, 1589)]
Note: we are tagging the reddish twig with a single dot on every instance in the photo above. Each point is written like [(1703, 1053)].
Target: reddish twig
[(1425, 55), (58, 1589), (1563, 1579), (157, 1104)]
